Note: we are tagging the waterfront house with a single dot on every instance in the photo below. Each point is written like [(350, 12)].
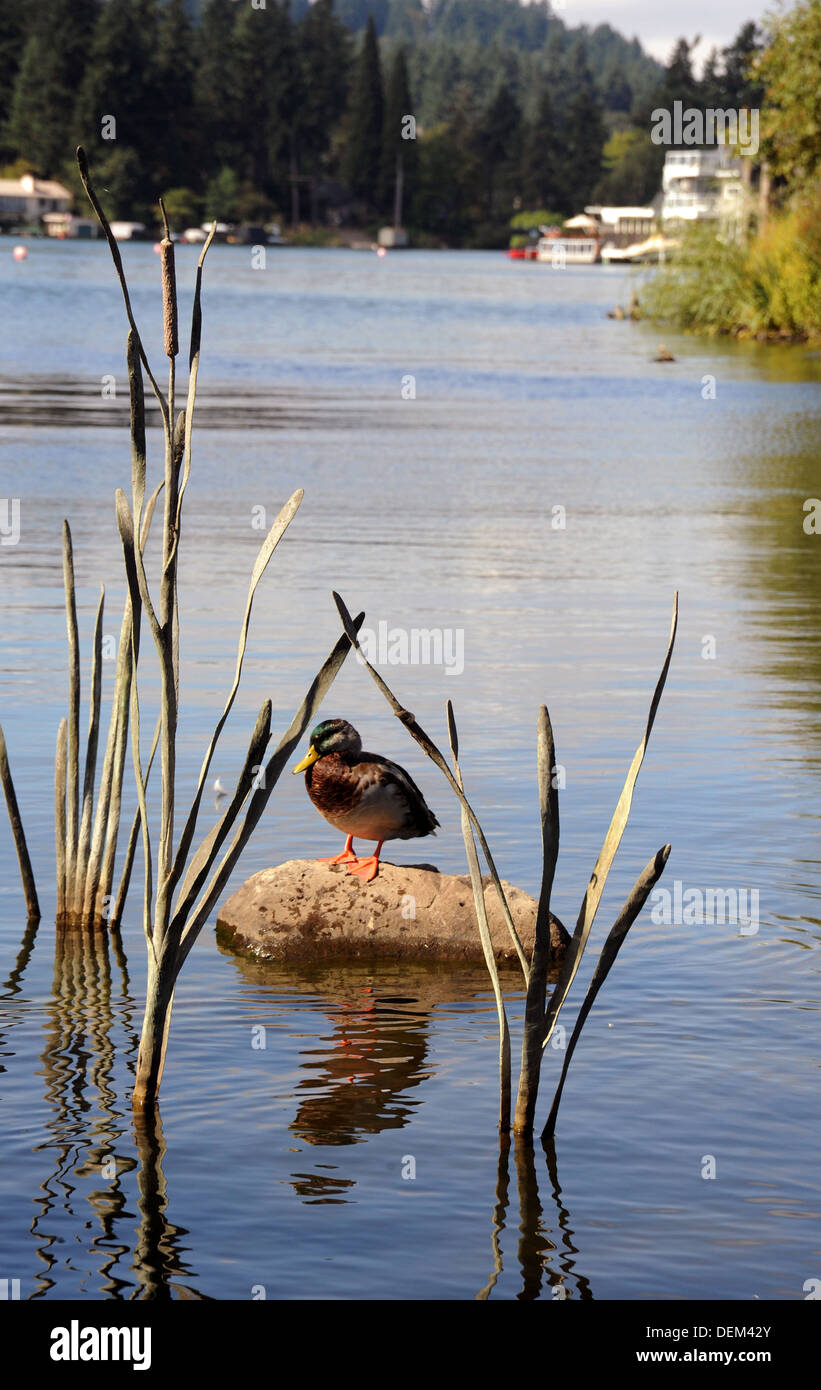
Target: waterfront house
[(26, 199), (622, 225), (66, 225), (703, 185)]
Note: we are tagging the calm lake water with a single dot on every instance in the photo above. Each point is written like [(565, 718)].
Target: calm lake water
[(286, 1167)]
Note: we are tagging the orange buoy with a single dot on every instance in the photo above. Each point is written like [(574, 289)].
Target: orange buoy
[(20, 253)]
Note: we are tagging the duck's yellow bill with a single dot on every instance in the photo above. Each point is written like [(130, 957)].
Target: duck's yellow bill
[(310, 757)]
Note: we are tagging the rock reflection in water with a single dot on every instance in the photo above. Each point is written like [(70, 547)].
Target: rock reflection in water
[(359, 1079)]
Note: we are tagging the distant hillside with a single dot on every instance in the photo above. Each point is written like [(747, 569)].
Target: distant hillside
[(467, 112), (622, 72)]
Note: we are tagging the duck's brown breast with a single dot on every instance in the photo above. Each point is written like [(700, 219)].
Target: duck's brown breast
[(332, 785)]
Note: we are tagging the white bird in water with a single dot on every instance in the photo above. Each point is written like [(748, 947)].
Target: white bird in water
[(219, 791)]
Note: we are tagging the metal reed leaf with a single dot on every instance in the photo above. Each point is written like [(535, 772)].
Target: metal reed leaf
[(100, 878), (125, 525), (267, 549), (73, 752), (301, 721), (607, 853), (211, 845), (90, 769), (193, 372), (638, 896), (60, 815), (82, 164), (484, 934), (541, 957), (26, 872), (125, 877)]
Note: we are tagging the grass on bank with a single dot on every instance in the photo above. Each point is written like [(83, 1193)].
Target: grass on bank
[(768, 287)]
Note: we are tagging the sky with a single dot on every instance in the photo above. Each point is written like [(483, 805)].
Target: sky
[(658, 25)]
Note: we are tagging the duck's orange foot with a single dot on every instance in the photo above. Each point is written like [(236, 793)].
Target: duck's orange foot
[(366, 869), (346, 857)]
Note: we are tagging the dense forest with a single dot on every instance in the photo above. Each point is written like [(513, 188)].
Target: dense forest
[(252, 109)]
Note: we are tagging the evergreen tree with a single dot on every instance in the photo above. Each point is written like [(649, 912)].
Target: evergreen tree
[(217, 93), (739, 86), (399, 160), (175, 85), (450, 183), (120, 86), (260, 107), (14, 23), (363, 155), (324, 55), (584, 136), (500, 139), (51, 65), (711, 79), (540, 177), (680, 82), (266, 69), (583, 144)]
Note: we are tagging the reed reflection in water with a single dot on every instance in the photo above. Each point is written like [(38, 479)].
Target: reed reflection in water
[(84, 1199), (103, 1205)]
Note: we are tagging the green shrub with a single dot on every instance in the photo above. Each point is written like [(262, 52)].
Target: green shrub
[(770, 285)]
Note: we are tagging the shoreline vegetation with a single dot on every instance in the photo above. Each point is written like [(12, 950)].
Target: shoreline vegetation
[(766, 284), (767, 289)]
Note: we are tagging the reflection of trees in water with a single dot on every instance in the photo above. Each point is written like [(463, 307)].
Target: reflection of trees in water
[(86, 1125), (782, 564), (543, 1261)]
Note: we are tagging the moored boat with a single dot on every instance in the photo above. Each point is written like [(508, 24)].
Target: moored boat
[(560, 250)]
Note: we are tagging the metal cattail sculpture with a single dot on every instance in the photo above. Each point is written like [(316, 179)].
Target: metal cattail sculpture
[(541, 1014), (181, 888)]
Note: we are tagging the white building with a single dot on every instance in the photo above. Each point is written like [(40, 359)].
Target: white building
[(702, 185), (623, 223), (66, 225), (27, 198)]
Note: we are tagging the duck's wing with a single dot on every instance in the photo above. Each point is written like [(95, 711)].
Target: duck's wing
[(421, 818)]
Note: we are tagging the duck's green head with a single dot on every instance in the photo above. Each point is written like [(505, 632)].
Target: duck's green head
[(331, 736)]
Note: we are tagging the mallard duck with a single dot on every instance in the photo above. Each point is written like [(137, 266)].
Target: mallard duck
[(364, 795)]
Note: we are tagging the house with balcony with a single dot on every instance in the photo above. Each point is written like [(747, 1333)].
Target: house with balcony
[(706, 184)]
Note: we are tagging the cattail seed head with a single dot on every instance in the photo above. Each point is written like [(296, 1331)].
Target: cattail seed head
[(169, 298)]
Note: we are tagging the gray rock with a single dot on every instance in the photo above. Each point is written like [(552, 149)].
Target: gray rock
[(304, 910)]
